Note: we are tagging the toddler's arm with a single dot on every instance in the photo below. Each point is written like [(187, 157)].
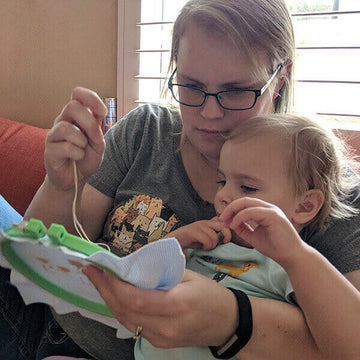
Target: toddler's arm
[(330, 303)]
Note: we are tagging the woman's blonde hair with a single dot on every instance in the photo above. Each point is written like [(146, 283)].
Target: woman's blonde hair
[(252, 26), (316, 159)]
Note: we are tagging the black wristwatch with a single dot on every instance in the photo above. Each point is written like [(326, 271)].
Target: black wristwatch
[(243, 332)]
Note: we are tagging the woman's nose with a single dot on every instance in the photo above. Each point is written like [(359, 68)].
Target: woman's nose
[(212, 109)]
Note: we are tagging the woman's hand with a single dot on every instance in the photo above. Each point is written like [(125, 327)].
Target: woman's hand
[(196, 312), (75, 136)]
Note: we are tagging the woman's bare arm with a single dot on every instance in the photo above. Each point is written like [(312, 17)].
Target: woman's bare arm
[(53, 206)]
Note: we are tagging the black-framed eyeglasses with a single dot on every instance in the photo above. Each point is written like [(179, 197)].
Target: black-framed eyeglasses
[(234, 99)]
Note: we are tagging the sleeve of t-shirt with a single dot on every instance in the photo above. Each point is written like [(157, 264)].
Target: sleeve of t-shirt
[(122, 142), (136, 135)]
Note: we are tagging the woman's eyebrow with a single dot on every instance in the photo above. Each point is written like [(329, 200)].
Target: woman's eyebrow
[(238, 84), (189, 78), (228, 85)]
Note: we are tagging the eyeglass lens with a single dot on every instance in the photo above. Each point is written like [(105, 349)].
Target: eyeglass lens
[(233, 99)]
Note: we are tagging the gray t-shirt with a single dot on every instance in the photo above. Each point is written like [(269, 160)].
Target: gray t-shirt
[(143, 172)]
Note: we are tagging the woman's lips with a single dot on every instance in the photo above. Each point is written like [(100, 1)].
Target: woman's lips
[(207, 133)]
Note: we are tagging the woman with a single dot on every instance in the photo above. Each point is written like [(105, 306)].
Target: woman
[(218, 45)]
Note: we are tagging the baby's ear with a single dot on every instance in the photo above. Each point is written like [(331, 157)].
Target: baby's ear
[(308, 206)]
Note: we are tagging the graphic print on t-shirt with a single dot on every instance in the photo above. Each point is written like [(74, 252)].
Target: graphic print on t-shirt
[(139, 221), (221, 268)]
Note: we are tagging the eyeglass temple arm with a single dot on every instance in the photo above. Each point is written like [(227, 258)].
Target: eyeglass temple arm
[(264, 88)]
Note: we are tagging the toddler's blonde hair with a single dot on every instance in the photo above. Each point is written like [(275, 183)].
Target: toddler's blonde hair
[(316, 159)]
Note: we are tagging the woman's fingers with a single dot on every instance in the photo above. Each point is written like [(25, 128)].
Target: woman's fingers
[(134, 307), (91, 100), (76, 136), (171, 318), (116, 294), (83, 118)]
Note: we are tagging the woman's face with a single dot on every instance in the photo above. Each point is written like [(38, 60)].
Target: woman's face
[(212, 64)]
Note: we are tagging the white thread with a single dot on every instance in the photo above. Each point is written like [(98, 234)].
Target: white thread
[(78, 227)]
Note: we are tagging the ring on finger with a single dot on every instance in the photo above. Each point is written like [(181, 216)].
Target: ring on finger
[(138, 333)]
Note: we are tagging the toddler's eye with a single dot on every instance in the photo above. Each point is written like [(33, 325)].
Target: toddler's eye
[(221, 182), (248, 189)]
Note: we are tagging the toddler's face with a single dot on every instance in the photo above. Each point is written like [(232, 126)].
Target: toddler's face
[(255, 168)]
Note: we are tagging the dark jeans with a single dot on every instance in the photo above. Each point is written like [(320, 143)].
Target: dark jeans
[(30, 332)]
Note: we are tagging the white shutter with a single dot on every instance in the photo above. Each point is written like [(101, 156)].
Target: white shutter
[(327, 71)]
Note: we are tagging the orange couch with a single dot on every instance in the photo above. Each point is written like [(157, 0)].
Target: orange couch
[(21, 162)]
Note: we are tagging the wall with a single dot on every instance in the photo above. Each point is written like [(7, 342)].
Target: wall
[(50, 46)]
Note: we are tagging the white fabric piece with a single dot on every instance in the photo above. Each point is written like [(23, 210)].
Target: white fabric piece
[(158, 265)]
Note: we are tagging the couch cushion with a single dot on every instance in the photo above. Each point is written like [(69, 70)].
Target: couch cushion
[(21, 162)]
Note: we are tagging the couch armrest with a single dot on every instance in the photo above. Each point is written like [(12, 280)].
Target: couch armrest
[(21, 162)]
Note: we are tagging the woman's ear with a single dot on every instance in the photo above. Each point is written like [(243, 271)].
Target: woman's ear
[(285, 71), (308, 206)]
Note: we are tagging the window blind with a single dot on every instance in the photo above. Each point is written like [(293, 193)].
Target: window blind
[(327, 74)]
